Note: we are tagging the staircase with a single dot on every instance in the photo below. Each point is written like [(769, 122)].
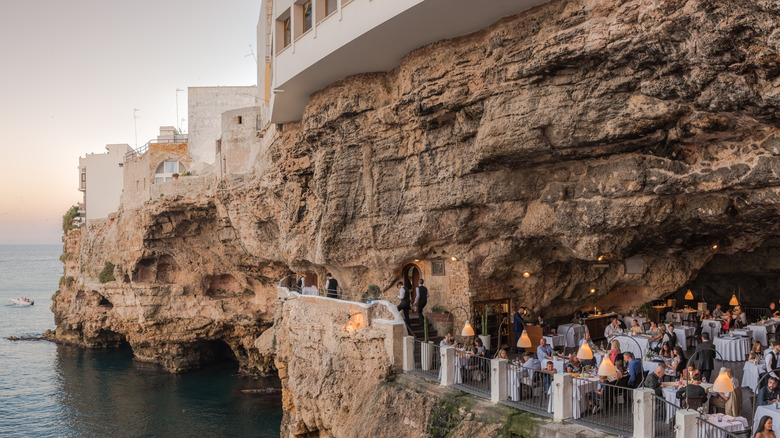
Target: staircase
[(419, 332)]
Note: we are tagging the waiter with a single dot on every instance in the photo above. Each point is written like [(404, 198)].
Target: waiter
[(331, 285), (517, 326), (420, 301), (405, 303)]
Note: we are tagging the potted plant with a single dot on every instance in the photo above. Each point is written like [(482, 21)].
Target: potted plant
[(175, 176), (484, 336), (426, 349)]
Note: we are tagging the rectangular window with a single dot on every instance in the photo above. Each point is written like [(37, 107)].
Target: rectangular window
[(158, 179), (437, 267), (240, 120), (307, 16), (171, 166), (330, 7), (287, 32)]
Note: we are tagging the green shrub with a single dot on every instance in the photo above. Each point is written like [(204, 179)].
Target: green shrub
[(372, 292), (107, 274), (67, 219), (248, 291), (53, 297), (439, 309), (66, 281)]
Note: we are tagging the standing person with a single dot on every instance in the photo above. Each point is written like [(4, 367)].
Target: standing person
[(420, 301), (301, 283), (405, 303), (331, 285), (518, 325), (705, 355)]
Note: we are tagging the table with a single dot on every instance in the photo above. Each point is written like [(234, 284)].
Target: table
[(732, 348), (734, 424), (629, 320), (750, 374), (581, 387), (759, 333), (629, 345), (771, 411), (670, 395), (554, 340), (747, 332), (574, 335), (682, 333), (711, 326), (680, 316)]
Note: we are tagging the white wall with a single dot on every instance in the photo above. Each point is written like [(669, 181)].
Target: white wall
[(104, 180), (204, 119)]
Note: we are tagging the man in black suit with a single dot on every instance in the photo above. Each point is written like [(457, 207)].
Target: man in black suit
[(705, 356), (405, 303), (420, 300), (693, 389), (518, 325), (331, 285), (670, 336)]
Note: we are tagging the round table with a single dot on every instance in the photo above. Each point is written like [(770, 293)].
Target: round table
[(554, 340), (682, 333), (759, 333), (573, 333), (629, 345), (750, 373), (629, 320), (737, 424), (732, 348), (711, 326)]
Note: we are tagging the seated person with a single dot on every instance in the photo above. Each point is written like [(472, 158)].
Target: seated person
[(653, 380), (718, 312), (666, 350), (612, 329), (773, 312), (480, 347), (547, 377), (586, 340), (594, 397), (502, 354), (669, 336), (544, 351), (656, 333), (764, 428), (635, 370), (719, 399), (540, 321), (677, 364), (635, 329), (756, 352), (768, 394), (692, 389), (705, 315), (447, 341)]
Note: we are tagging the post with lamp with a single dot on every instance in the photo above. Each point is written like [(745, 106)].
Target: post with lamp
[(722, 382), (448, 353)]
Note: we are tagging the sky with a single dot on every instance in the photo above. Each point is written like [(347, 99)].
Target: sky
[(71, 73)]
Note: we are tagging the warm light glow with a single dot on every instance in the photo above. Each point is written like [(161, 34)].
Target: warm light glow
[(356, 322), (416, 260), (454, 259), (733, 301), (607, 368), (723, 383), (601, 257), (468, 330), (524, 341), (585, 353), (714, 246), (526, 274), (593, 291), (689, 295)]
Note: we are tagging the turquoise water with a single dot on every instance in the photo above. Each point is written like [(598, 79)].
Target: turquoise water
[(47, 390)]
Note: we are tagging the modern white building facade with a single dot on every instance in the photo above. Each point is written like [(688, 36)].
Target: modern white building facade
[(305, 45), (101, 180)]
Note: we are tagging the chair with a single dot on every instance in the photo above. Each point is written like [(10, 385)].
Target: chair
[(692, 402), (692, 319), (646, 326)]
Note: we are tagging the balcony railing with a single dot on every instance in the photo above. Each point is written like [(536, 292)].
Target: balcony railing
[(529, 389), (427, 360), (178, 138), (472, 373), (611, 408)]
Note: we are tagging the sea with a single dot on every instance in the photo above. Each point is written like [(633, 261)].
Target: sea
[(50, 390)]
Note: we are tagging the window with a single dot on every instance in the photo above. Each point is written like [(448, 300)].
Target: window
[(330, 7), (437, 267), (240, 120), (307, 16), (83, 179), (287, 32), (166, 169)]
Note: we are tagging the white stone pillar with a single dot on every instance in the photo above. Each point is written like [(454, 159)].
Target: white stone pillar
[(498, 380), (408, 353), (686, 424), (447, 366), (562, 396), (643, 413)]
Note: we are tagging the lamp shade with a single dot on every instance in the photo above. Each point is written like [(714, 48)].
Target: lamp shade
[(689, 295), (524, 341), (607, 368), (733, 301), (468, 330), (585, 353), (723, 382)]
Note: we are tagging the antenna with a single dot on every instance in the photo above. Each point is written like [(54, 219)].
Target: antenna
[(252, 53), (177, 109), (135, 125)]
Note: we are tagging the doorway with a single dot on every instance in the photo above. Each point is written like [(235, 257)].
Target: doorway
[(411, 276)]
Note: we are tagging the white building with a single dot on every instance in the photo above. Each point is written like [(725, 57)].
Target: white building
[(205, 106), (305, 45), (101, 180)]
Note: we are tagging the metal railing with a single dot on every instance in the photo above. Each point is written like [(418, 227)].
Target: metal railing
[(472, 373), (612, 412), (339, 294), (137, 152), (756, 313), (710, 429), (663, 414), (529, 389), (427, 360)]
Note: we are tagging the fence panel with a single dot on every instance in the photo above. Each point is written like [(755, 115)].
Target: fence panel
[(427, 360), (529, 389), (715, 426), (472, 373), (664, 414), (603, 406)]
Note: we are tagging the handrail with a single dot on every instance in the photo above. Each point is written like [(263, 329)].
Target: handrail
[(177, 138)]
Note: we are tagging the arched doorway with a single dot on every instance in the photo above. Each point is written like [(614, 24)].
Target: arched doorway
[(411, 277), (308, 283)]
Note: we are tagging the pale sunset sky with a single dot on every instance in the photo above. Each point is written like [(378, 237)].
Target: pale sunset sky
[(73, 71)]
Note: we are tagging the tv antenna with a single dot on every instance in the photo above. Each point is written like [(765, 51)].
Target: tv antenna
[(251, 53), (135, 125)]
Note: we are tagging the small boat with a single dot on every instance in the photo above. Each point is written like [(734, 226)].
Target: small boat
[(24, 301)]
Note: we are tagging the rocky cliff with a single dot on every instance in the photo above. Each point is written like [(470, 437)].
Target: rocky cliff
[(561, 142)]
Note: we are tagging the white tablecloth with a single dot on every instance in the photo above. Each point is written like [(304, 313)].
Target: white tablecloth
[(738, 424), (574, 335), (629, 320), (682, 333), (680, 316), (747, 332), (582, 387), (554, 341), (309, 290), (733, 348), (759, 333), (711, 326), (629, 345), (771, 411), (750, 374), (670, 395)]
